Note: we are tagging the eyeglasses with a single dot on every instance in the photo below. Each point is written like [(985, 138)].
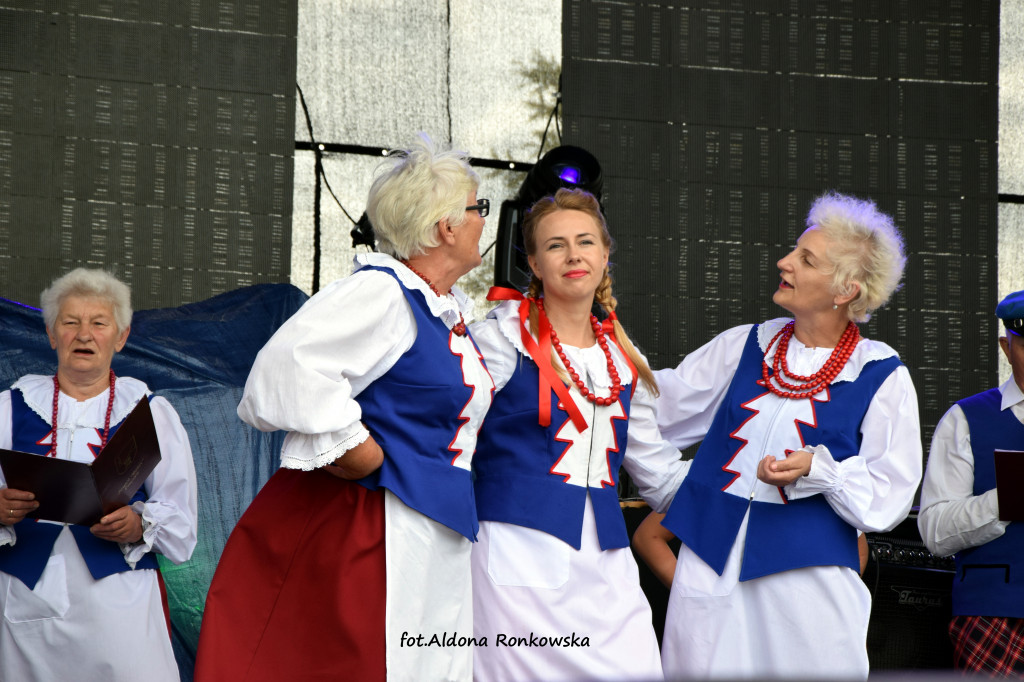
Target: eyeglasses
[(484, 207)]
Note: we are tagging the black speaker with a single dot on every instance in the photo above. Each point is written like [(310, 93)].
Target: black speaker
[(911, 606), (564, 166), (511, 269)]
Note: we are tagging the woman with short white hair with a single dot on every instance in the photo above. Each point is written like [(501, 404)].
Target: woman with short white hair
[(353, 561), (84, 602), (810, 434)]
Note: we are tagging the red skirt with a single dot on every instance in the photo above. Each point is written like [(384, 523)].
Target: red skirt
[(300, 590)]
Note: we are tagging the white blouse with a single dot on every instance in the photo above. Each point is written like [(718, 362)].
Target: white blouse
[(306, 378), (872, 492)]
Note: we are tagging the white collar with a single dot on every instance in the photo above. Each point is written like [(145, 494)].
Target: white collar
[(509, 324), (1011, 393), (447, 308), (37, 389)]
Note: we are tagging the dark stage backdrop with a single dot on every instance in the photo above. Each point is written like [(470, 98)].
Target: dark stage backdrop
[(153, 138), (717, 122)]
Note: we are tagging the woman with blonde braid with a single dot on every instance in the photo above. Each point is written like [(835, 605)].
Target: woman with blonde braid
[(556, 593)]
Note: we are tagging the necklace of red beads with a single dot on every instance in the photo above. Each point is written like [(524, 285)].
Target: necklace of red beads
[(460, 327), (106, 421), (602, 341), (814, 383)]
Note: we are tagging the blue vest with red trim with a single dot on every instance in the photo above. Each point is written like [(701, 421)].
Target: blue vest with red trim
[(27, 558), (517, 464), (414, 413), (791, 533), (987, 581)]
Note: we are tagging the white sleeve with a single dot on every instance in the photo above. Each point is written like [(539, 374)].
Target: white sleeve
[(7, 533), (171, 511), (653, 463), (952, 517), (499, 354), (692, 392), (874, 490), (306, 377)]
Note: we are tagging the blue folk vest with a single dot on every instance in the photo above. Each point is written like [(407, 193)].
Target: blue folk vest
[(987, 581), (517, 464), (413, 412), (27, 558), (791, 533)]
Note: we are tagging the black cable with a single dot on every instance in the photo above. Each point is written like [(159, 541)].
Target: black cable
[(544, 137), (318, 170), (488, 248), (558, 126), (336, 197)]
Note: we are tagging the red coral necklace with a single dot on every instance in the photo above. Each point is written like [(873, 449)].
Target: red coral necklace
[(602, 341), (106, 421), (460, 327), (814, 383)]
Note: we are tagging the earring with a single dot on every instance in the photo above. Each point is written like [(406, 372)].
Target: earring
[(835, 306)]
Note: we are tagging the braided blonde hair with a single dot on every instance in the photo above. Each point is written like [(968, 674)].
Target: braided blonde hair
[(579, 200)]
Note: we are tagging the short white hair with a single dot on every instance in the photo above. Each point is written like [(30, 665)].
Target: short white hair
[(864, 246), (417, 188), (88, 284)]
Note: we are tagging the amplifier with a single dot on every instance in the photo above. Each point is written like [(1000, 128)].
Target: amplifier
[(911, 592)]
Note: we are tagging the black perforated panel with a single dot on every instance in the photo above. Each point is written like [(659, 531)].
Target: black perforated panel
[(717, 123), (151, 138)]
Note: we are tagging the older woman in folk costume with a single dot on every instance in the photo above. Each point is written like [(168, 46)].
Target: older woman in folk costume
[(85, 602), (573, 404), (361, 542), (810, 432)]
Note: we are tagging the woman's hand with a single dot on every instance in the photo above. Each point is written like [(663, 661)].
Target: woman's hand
[(362, 460), (782, 472), (15, 505), (122, 525)]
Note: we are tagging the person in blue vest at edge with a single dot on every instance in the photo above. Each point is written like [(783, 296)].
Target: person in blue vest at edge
[(353, 561), (78, 602), (556, 590), (960, 514), (810, 434)]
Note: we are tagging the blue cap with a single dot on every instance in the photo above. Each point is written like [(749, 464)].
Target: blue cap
[(1011, 311)]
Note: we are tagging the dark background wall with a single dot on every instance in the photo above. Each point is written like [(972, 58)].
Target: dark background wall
[(154, 139), (717, 123)]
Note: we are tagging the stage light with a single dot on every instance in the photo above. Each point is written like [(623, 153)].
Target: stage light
[(570, 174), (564, 166)]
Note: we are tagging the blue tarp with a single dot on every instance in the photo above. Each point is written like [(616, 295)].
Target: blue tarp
[(198, 357)]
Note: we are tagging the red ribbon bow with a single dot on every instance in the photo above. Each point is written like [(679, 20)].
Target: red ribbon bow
[(540, 351)]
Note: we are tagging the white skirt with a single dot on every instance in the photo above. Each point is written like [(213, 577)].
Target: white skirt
[(807, 623), (550, 612), (73, 627)]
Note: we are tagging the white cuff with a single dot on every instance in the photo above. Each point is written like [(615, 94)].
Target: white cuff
[(328, 456), (134, 551), (825, 475), (8, 536)]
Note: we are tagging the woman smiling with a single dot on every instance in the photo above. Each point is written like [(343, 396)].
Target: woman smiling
[(573, 404)]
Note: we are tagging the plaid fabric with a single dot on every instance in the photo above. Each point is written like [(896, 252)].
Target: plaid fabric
[(990, 645)]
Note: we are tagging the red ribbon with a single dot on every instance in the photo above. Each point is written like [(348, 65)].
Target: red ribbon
[(541, 354)]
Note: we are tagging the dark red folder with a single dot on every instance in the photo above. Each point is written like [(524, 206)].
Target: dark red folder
[(1010, 484), (80, 492)]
